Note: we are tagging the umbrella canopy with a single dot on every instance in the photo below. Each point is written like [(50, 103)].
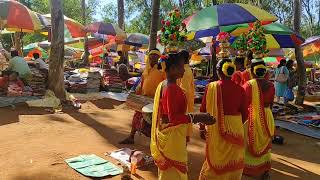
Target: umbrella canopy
[(137, 39), (18, 17), (227, 14), (107, 29), (277, 35), (276, 41), (72, 28), (311, 47), (272, 59), (40, 51), (310, 40)]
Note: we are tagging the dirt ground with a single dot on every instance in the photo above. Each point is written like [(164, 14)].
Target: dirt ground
[(35, 143)]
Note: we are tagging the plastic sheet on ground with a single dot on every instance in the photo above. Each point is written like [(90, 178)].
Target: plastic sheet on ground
[(122, 97), (298, 128), (93, 166), (123, 155), (49, 100), (9, 101)]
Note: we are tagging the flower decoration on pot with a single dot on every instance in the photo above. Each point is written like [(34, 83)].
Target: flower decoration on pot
[(223, 38), (173, 31), (257, 42), (241, 45)]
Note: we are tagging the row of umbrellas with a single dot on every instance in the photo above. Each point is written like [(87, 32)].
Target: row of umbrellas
[(234, 18), (16, 17)]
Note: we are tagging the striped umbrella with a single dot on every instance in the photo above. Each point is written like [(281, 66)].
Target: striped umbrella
[(17, 17), (311, 47), (107, 29), (227, 14), (137, 39), (277, 35), (72, 28)]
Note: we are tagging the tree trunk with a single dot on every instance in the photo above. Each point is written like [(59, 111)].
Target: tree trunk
[(301, 69), (56, 79), (121, 14), (213, 62), (154, 23), (86, 49), (17, 42)]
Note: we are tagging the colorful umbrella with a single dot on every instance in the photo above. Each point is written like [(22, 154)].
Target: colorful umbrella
[(40, 51), (276, 41), (278, 35), (227, 14), (137, 39), (311, 47), (312, 39), (272, 59), (72, 28), (18, 17), (107, 29)]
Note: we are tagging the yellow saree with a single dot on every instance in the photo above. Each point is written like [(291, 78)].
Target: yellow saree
[(225, 142), (187, 85), (259, 130), (168, 145)]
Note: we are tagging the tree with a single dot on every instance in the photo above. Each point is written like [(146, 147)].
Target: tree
[(301, 70), (109, 15), (86, 49), (121, 14), (154, 23), (56, 79)]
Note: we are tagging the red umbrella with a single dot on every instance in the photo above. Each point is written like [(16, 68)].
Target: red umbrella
[(17, 17)]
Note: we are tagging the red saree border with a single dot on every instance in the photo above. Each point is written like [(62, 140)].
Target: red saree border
[(256, 170), (228, 136)]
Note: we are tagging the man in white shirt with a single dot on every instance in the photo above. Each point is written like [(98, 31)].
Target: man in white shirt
[(38, 60)]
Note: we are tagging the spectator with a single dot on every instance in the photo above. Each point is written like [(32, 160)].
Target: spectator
[(122, 59), (292, 79), (281, 79), (19, 65), (40, 62)]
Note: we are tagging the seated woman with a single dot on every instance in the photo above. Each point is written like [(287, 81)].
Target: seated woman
[(170, 123)]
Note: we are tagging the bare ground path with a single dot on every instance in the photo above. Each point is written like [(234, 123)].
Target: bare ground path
[(34, 143)]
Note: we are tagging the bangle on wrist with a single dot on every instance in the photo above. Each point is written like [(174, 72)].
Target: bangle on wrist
[(191, 117)]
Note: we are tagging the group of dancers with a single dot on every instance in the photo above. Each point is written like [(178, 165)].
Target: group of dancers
[(235, 117)]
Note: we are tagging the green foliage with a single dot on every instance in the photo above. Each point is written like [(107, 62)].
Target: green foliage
[(6, 40), (109, 13), (31, 38)]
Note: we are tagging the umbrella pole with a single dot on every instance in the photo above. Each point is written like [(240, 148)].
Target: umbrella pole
[(21, 41), (12, 40)]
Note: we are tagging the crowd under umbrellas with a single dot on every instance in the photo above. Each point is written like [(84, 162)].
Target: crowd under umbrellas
[(111, 67)]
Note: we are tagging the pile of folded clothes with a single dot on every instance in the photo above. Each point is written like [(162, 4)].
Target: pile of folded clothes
[(38, 82), (93, 81), (112, 80), (76, 84), (14, 90)]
